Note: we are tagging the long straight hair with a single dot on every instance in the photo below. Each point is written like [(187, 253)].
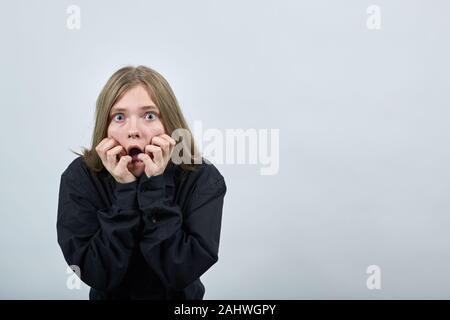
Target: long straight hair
[(160, 92)]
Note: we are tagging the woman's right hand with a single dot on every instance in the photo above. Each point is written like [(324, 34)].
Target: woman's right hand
[(108, 150)]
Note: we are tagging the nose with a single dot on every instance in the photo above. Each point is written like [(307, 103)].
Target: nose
[(133, 135), (133, 131)]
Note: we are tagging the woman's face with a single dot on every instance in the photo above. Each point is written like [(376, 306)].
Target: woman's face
[(135, 120)]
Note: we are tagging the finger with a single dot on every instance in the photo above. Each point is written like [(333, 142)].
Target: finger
[(148, 162), (101, 143), (158, 158), (123, 162), (172, 144), (156, 152), (111, 155), (99, 149), (163, 143), (172, 147), (106, 145), (168, 139), (160, 141), (123, 152)]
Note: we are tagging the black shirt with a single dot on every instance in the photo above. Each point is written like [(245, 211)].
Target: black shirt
[(148, 239)]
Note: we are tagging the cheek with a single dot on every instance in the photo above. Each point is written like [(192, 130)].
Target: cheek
[(159, 128), (112, 131), (112, 134), (155, 130)]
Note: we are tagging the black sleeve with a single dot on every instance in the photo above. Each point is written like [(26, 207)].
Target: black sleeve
[(98, 241), (181, 246)]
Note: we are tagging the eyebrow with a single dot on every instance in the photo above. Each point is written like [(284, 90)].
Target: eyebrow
[(143, 108)]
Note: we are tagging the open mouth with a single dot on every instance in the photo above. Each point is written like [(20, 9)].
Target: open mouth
[(133, 153)]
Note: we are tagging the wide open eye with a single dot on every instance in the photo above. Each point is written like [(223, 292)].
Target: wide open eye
[(153, 116), (118, 117)]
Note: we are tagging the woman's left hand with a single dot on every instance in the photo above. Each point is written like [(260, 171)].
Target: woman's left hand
[(161, 149)]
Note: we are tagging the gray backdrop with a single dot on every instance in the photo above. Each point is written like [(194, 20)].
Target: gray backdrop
[(363, 115)]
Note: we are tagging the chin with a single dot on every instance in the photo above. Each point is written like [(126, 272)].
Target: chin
[(136, 169)]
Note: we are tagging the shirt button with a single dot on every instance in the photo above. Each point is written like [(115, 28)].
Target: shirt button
[(153, 220)]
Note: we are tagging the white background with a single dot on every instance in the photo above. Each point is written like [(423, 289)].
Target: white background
[(364, 137)]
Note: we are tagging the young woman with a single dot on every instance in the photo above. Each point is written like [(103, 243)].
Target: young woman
[(134, 223)]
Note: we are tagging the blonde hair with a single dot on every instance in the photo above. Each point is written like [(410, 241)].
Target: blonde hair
[(160, 92)]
